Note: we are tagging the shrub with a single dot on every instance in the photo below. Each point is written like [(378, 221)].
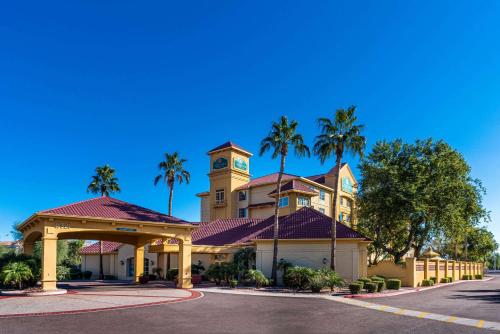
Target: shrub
[(171, 274), (393, 284), (197, 268), (377, 277), (16, 274), (113, 277), (331, 278), (317, 282), (361, 283), (444, 280), (298, 277), (62, 273), (427, 282), (381, 286), (258, 278), (355, 288), (233, 283), (467, 277), (87, 274), (215, 273), (479, 276), (371, 287), (365, 280), (158, 271), (433, 279), (450, 279), (75, 273)]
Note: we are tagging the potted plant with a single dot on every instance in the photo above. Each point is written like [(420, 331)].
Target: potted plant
[(143, 279), (196, 270)]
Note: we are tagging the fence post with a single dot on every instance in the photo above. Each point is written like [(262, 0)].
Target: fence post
[(411, 271), (426, 268), (438, 277), (446, 268)]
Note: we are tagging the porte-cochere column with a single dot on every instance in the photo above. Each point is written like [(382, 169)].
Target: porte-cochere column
[(139, 261), (49, 261), (184, 277)]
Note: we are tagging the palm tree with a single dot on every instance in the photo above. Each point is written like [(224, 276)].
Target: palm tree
[(15, 273), (171, 169), (282, 135), (104, 183), (338, 136)]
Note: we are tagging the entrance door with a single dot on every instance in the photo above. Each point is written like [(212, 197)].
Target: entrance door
[(130, 267)]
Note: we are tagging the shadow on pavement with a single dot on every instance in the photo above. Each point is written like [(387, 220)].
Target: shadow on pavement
[(490, 296)]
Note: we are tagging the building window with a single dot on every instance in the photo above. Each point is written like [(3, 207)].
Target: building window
[(242, 213), (242, 195), (322, 195), (130, 267), (219, 196), (146, 266), (322, 210), (340, 217), (283, 202), (304, 201)]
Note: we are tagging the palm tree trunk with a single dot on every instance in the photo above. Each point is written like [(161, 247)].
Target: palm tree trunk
[(335, 214), (274, 271), (101, 271), (171, 195)]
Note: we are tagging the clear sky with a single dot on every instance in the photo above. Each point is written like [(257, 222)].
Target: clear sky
[(84, 83)]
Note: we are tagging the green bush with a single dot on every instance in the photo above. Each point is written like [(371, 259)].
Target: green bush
[(258, 278), (87, 274), (197, 268), (233, 283), (331, 278), (371, 287), (381, 286), (16, 274), (112, 277), (427, 282), (450, 279), (479, 276), (355, 288), (365, 280), (393, 284), (433, 279), (62, 273), (444, 280), (171, 274), (361, 283), (317, 282), (299, 277), (467, 277), (377, 277)]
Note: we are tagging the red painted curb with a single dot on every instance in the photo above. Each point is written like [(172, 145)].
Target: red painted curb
[(194, 295)]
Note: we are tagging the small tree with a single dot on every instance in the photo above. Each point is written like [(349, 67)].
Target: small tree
[(16, 273)]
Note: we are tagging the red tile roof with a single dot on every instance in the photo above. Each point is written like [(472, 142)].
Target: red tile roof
[(107, 247), (227, 145), (295, 185), (271, 178), (307, 223), (320, 178), (112, 208)]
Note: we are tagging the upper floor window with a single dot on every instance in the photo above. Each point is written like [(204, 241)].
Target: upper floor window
[(283, 202), (304, 201), (242, 195), (242, 213), (322, 195), (219, 196), (322, 210)]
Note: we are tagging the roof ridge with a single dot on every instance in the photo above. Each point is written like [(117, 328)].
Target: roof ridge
[(70, 204)]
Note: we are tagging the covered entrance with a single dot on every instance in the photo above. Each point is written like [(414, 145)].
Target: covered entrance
[(106, 219)]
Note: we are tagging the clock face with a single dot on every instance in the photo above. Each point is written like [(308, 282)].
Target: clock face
[(240, 163), (220, 163)]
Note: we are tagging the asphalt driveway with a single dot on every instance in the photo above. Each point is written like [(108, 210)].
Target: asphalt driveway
[(218, 313), (477, 300)]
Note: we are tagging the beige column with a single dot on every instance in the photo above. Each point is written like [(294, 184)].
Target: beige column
[(184, 277), (460, 270), (28, 248), (446, 268), (139, 262), (436, 271), (426, 268), (49, 263), (411, 268), (454, 270), (161, 264)]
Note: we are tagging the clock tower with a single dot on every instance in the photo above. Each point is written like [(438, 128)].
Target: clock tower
[(229, 169)]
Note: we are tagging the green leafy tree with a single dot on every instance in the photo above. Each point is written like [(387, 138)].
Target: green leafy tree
[(172, 169), (16, 273), (105, 183), (74, 258), (412, 194), (283, 135), (481, 245), (339, 136)]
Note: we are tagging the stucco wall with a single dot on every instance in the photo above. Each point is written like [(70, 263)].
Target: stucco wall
[(351, 256)]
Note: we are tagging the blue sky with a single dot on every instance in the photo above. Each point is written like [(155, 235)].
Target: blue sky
[(84, 83)]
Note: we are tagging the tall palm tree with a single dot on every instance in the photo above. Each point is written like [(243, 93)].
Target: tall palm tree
[(338, 136), (282, 135), (171, 169), (104, 183)]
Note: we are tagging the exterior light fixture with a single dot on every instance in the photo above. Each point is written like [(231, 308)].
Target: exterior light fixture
[(122, 262), (324, 260)]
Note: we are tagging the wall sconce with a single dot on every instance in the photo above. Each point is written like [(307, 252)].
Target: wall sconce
[(324, 260), (152, 263), (122, 262)]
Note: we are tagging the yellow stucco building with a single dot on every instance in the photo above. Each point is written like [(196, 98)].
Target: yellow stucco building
[(234, 194)]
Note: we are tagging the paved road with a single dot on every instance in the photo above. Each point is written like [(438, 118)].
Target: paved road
[(217, 313), (476, 300)]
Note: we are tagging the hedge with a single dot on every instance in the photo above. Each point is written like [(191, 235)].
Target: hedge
[(479, 276), (427, 282), (355, 288), (393, 284), (381, 286), (365, 280), (371, 287), (444, 280)]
